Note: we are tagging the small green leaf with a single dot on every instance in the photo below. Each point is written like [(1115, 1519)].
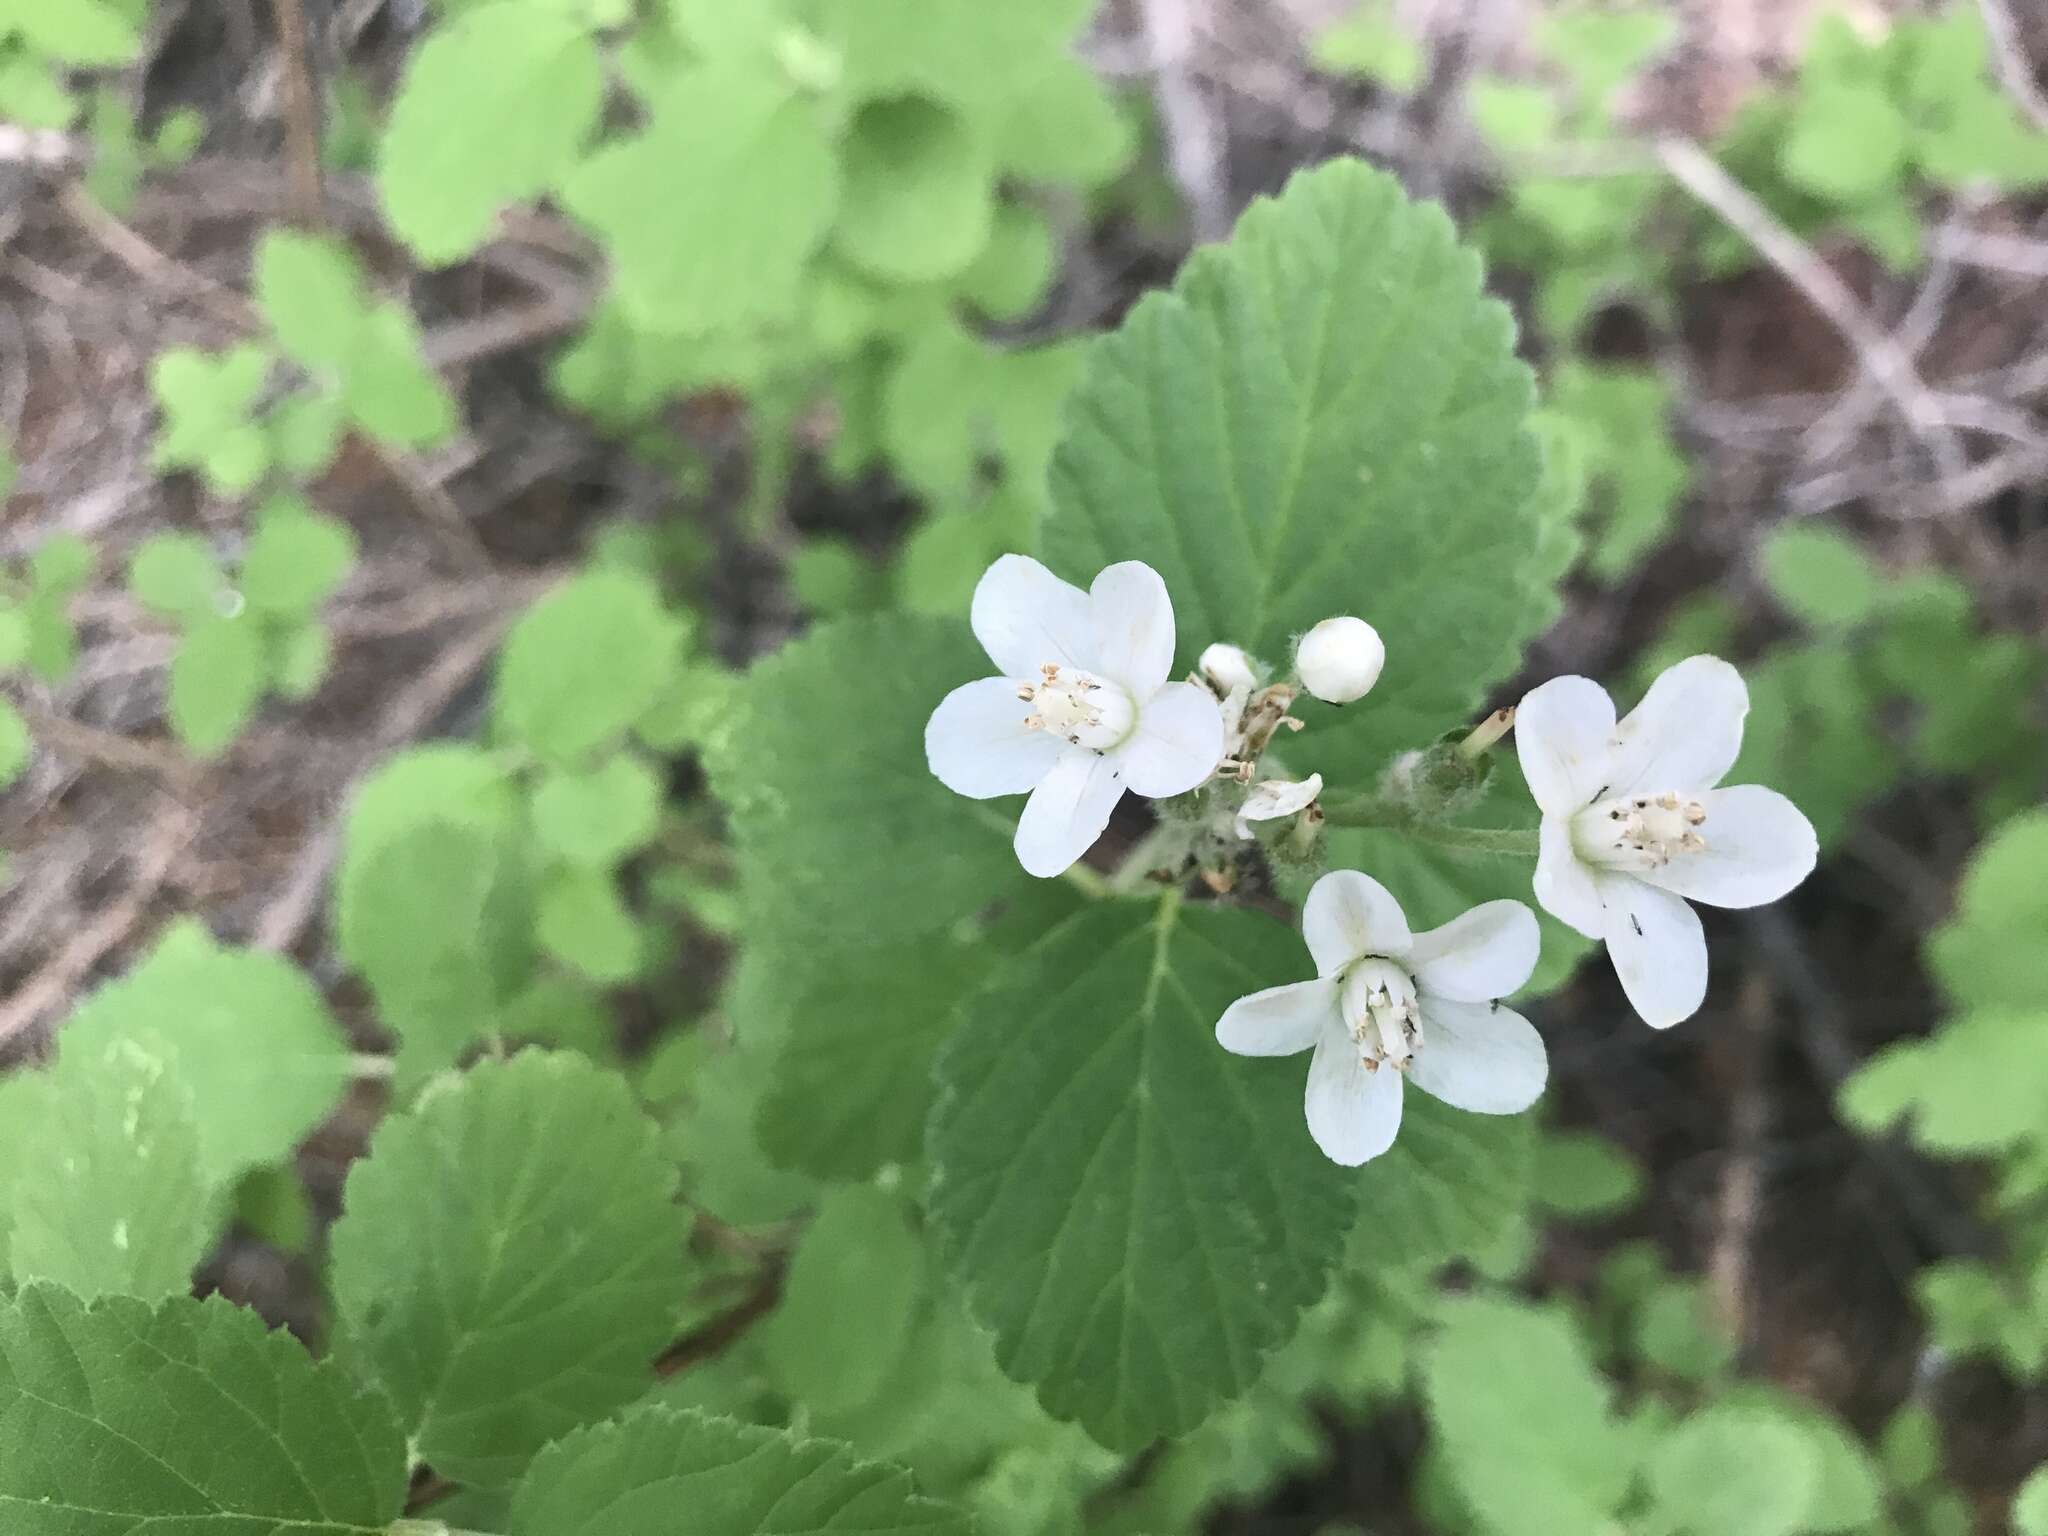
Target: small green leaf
[(1676, 1330), (86, 34), (296, 558), (630, 1477), (2030, 1505), (217, 680), (597, 817), (1138, 1266), (189, 1416), (451, 160), (920, 193), (582, 921), (1847, 142), (858, 1260), (16, 632), (1735, 1472), (311, 290), (1822, 575), (1989, 953), (17, 746), (1581, 1174), (177, 575), (300, 660), (1515, 118), (207, 403), (305, 432), (1371, 43), (1010, 276), (390, 391), (586, 662), (1978, 1085), (510, 1260)]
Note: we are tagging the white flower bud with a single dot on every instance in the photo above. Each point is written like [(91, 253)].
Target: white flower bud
[(1340, 659), (1228, 668)]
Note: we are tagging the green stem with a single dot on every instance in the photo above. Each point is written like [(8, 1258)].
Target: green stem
[(1366, 811)]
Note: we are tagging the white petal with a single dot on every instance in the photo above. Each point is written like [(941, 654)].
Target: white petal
[(1067, 812), (977, 746), (1280, 1020), (1687, 731), (1658, 950), (1270, 799), (1564, 735), (1479, 1056), (1176, 744), (1759, 845), (1480, 955), (1349, 914), (1024, 616), (1131, 620), (1353, 1114), (1565, 887)]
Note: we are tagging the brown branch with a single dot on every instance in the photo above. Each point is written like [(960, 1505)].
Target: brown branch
[(301, 114)]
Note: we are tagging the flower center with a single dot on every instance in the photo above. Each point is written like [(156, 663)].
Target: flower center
[(1379, 1011), (1077, 707), (1639, 832)]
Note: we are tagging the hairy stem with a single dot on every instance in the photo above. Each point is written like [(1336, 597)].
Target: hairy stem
[(1368, 811)]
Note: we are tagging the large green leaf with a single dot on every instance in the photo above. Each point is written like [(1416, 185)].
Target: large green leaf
[(585, 662), (1139, 1216), (189, 1419), (1990, 953), (658, 1471), (1324, 415), (1735, 1471), (510, 1259)]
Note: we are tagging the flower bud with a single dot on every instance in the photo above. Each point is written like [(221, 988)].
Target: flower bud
[(1340, 659), (1227, 668)]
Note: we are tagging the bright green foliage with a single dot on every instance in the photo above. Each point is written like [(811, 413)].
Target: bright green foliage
[(1453, 1186), (510, 1260), (1534, 1450), (1735, 1472), (749, 188), (82, 33), (1012, 272), (295, 559), (597, 817), (1821, 575), (16, 745), (2030, 1506), (1978, 1085), (176, 575), (1173, 1174), (585, 663), (103, 1188), (642, 1473), (1847, 141), (245, 1034), (208, 404), (1273, 429), (118, 1418), (1581, 1174), (1370, 43), (1616, 430), (217, 680), (1848, 1491), (580, 919), (1974, 1309), (919, 200), (1989, 954), (452, 157), (1676, 1331), (858, 1260)]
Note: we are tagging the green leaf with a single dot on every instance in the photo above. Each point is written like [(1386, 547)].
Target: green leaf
[(1453, 1186), (597, 817), (847, 1303), (1979, 1084), (858, 843), (635, 1477), (1535, 1450), (920, 193), (106, 1193), (1371, 43), (1989, 954), (311, 290), (1677, 1331), (217, 680), (581, 920), (1847, 142), (1515, 118), (1848, 1490), (1735, 1472), (300, 661), (1137, 1215), (1325, 407), (2030, 1505), (584, 663), (17, 746), (390, 391), (1010, 276), (296, 558), (1821, 575), (188, 1418), (86, 34), (749, 184), (207, 403), (248, 1035), (452, 159), (510, 1259), (177, 575), (1581, 1174)]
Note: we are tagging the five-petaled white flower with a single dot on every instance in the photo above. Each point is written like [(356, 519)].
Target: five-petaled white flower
[(1633, 824), (1387, 1004), (1082, 710)]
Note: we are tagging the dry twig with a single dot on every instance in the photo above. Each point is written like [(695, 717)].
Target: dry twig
[(2014, 68)]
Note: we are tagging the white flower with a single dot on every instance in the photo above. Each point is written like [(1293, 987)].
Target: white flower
[(1271, 799), (1228, 669), (1387, 1005), (1082, 710), (1340, 659), (1633, 824)]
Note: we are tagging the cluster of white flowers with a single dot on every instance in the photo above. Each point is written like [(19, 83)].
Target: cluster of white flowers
[(1635, 826)]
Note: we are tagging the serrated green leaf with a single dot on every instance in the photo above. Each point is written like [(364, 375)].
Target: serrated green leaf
[(249, 1036), (207, 403), (1325, 396), (847, 1303), (510, 1259), (956, 50), (177, 575), (217, 680), (584, 663), (631, 1477), (1989, 954), (187, 1418), (1453, 1186), (749, 186), (1735, 1472), (920, 193), (1536, 1450), (296, 558), (1979, 1084), (107, 1191), (1821, 575), (1136, 1214), (1847, 142), (310, 289), (858, 843), (599, 816), (451, 159), (390, 391)]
